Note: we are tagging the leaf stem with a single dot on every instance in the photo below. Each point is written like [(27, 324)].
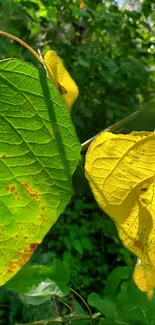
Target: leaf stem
[(111, 128), (84, 302), (15, 38), (64, 303), (63, 319)]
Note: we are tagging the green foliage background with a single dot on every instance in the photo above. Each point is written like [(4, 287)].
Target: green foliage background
[(109, 51)]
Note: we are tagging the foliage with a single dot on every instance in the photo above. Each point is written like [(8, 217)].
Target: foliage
[(87, 235), (109, 53), (129, 307)]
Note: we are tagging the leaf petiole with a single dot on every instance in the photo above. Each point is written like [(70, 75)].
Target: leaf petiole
[(15, 38)]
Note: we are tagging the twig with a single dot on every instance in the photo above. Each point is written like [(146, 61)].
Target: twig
[(63, 319), (17, 39), (84, 302), (111, 128), (63, 303)]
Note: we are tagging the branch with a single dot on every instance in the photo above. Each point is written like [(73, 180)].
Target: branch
[(64, 319), (22, 43), (111, 128)]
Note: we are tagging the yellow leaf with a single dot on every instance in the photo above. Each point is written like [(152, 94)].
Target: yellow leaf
[(61, 78), (121, 173)]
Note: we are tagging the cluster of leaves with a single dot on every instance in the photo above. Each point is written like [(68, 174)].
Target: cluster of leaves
[(110, 51), (84, 235), (110, 54), (121, 302)]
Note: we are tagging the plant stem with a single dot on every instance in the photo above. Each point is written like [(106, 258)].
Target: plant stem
[(84, 302), (64, 303), (63, 319), (111, 128), (22, 43), (39, 57)]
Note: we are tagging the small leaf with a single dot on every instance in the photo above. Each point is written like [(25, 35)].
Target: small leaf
[(30, 276), (77, 246), (61, 78), (133, 307), (34, 301), (86, 243), (119, 274), (78, 309), (106, 305), (43, 292), (121, 173)]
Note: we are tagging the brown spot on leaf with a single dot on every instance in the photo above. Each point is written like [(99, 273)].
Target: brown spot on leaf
[(13, 267), (144, 200), (62, 89), (144, 189), (12, 188), (9, 188), (42, 218), (139, 244), (33, 246), (32, 192), (28, 252)]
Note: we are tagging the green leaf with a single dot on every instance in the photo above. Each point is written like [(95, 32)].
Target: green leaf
[(115, 277), (43, 292), (30, 276), (127, 308), (133, 307), (34, 300), (39, 152), (86, 243), (77, 246), (78, 308), (106, 305)]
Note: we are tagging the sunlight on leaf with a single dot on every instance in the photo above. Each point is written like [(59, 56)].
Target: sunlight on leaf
[(61, 78), (39, 152), (121, 173)]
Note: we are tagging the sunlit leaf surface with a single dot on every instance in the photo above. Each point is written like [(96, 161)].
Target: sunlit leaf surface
[(39, 152), (61, 78), (121, 173)]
